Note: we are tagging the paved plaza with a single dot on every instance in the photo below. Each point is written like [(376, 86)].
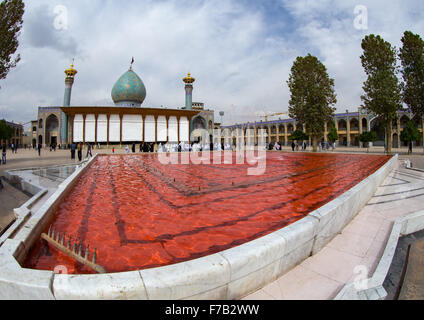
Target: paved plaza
[(321, 276), (361, 243)]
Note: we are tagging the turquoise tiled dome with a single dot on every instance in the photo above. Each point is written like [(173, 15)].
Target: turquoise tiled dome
[(129, 90)]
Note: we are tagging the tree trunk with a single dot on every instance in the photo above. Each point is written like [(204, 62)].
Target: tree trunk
[(389, 139), (315, 144)]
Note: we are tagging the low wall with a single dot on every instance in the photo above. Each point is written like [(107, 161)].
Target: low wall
[(230, 274), (372, 288)]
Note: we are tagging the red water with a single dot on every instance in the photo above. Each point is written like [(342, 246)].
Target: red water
[(130, 208)]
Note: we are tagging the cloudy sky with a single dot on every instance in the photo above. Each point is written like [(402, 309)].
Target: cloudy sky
[(239, 51)]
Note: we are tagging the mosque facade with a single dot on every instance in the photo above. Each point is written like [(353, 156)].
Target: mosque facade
[(124, 123)]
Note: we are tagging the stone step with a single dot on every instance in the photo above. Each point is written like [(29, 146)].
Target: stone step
[(413, 283), (10, 198)]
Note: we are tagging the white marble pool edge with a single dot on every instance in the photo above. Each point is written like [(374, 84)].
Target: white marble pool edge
[(230, 274), (372, 288)]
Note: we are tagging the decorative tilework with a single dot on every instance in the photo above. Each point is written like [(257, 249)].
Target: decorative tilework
[(129, 89)]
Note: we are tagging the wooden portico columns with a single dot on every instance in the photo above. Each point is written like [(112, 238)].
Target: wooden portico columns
[(96, 117), (84, 116), (189, 129), (167, 129), (156, 128), (144, 127), (71, 136), (120, 128), (107, 131), (178, 128)]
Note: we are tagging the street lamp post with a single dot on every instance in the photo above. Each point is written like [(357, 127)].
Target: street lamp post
[(222, 113)]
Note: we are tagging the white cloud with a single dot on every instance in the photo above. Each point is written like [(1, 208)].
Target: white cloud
[(239, 52)]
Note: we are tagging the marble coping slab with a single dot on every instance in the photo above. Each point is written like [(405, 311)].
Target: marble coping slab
[(372, 288), (230, 274)]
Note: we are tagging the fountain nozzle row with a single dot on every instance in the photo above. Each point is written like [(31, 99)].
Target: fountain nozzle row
[(59, 241)]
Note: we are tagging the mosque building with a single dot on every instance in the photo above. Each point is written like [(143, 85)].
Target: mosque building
[(124, 123)]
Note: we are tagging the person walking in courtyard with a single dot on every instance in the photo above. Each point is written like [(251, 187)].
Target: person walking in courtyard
[(293, 145), (89, 151), (79, 152), (73, 148), (39, 149), (3, 153)]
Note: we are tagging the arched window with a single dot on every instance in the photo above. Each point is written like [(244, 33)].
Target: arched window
[(354, 124), (342, 125), (364, 124)]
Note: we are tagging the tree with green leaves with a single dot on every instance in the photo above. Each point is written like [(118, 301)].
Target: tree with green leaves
[(410, 133), (11, 20), (6, 132), (367, 137), (332, 135), (312, 96), (411, 55), (298, 135), (382, 89)]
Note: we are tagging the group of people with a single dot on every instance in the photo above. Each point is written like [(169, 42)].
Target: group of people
[(14, 148), (76, 148), (161, 147), (321, 146), (295, 146), (275, 146), (151, 147)]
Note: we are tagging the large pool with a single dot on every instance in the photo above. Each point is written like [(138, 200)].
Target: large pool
[(141, 214)]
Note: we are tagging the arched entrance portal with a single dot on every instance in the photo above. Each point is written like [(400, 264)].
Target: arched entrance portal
[(378, 127), (199, 127), (52, 130), (199, 123)]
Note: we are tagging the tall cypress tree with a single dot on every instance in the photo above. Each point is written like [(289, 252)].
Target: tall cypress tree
[(11, 13), (412, 58), (312, 96), (382, 89)]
